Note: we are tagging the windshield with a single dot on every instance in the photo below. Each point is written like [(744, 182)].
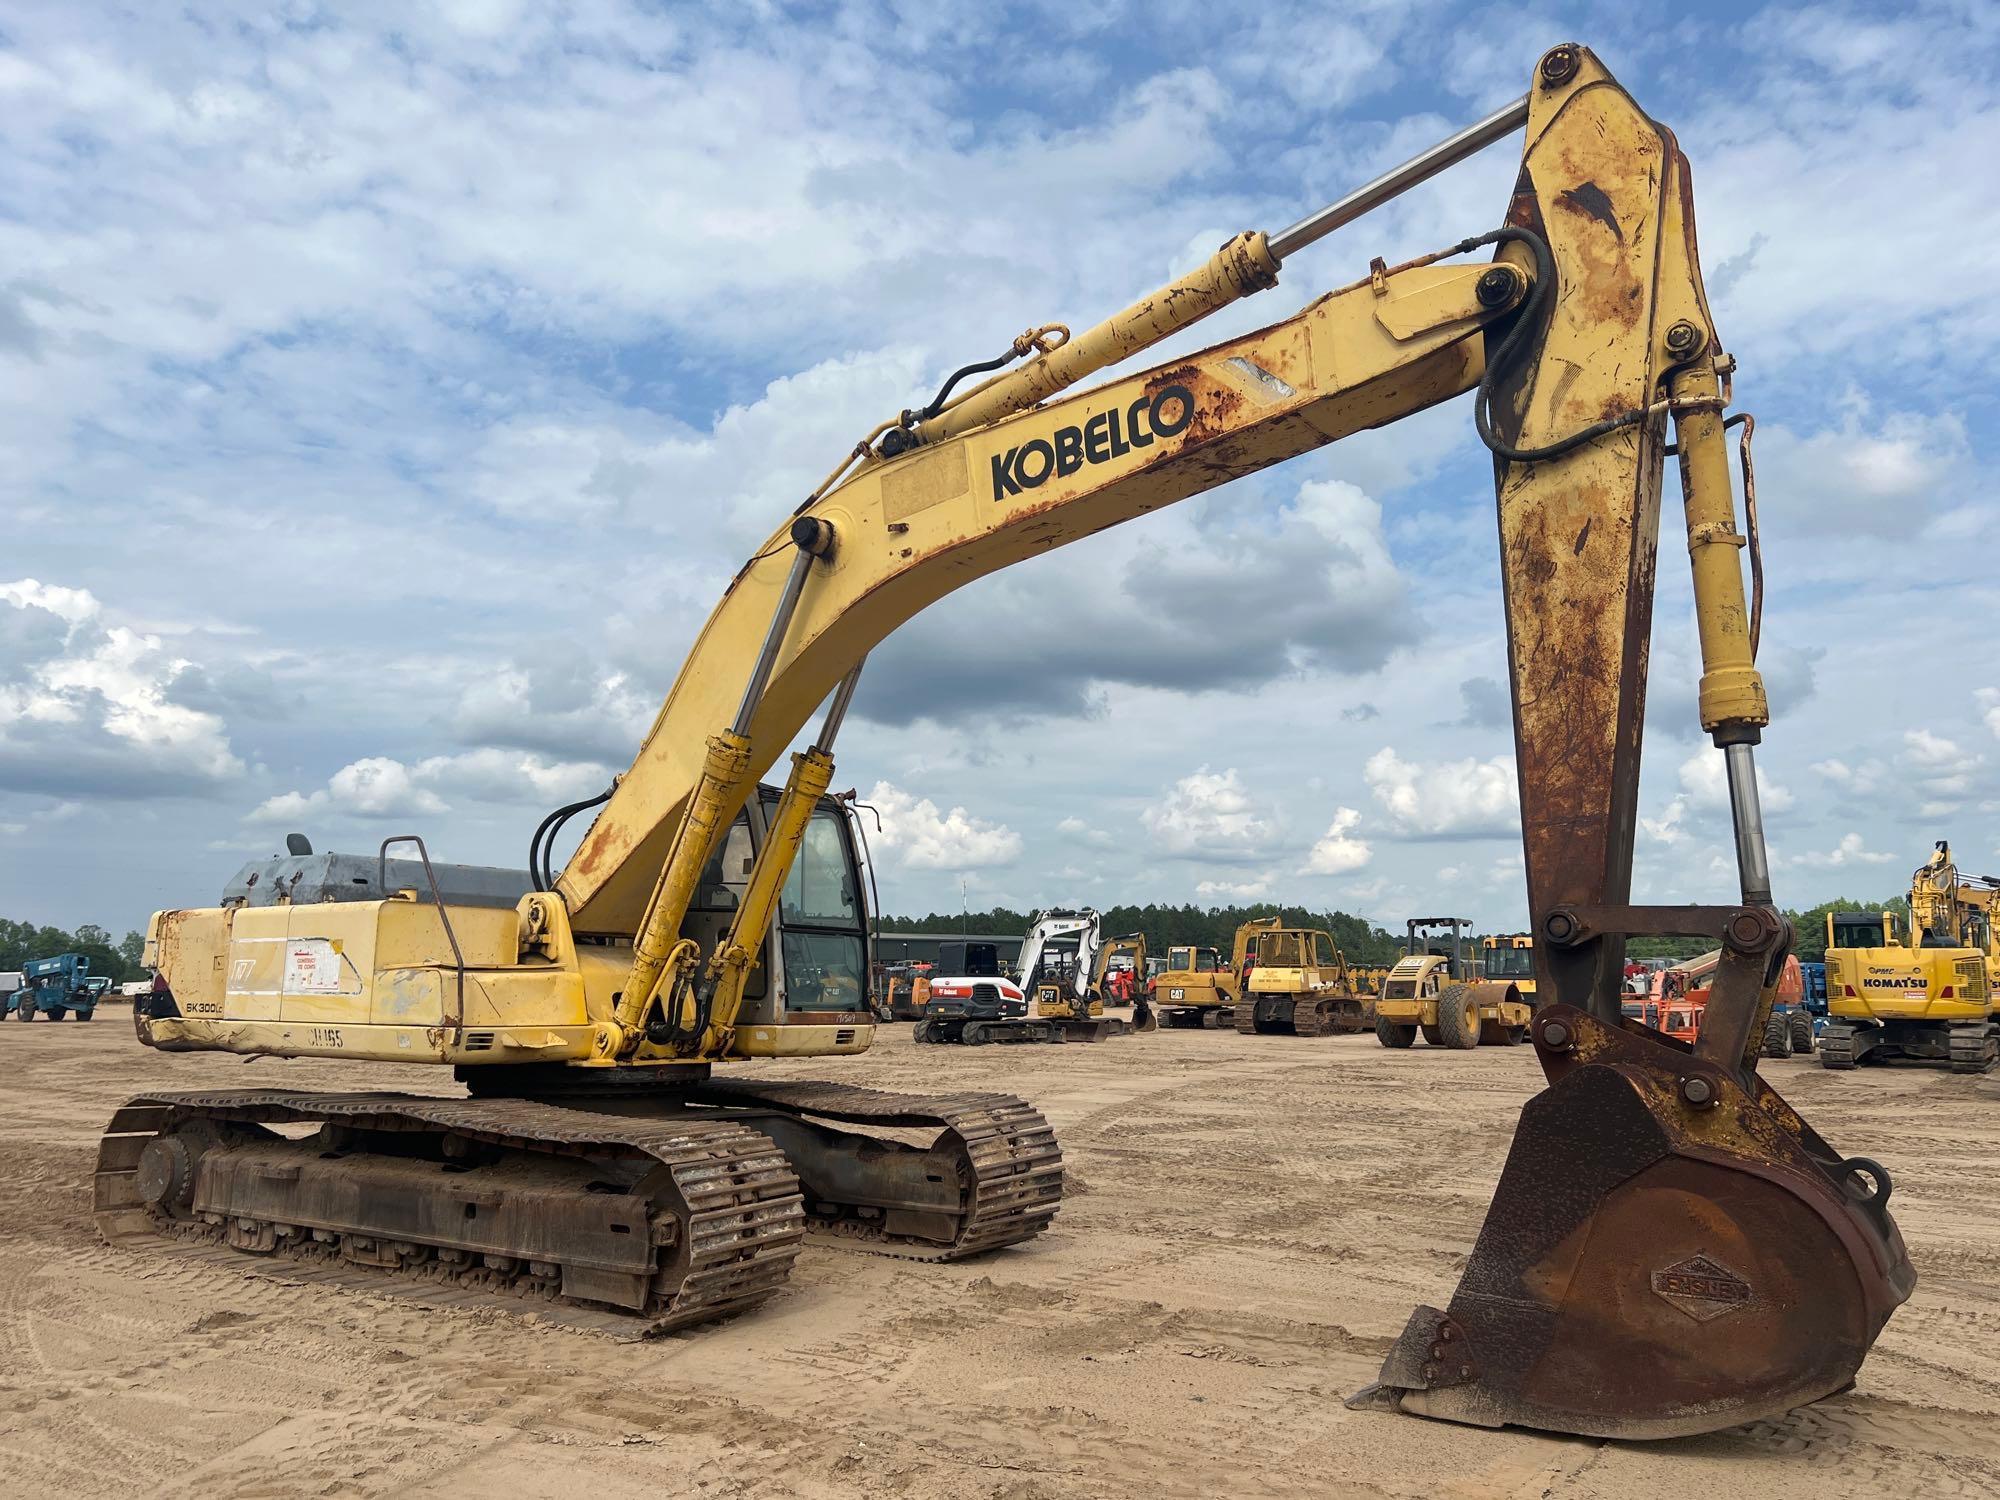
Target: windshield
[(1857, 930), (1280, 950), (1510, 963)]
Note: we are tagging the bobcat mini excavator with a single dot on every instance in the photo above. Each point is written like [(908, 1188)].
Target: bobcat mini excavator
[(1670, 1249)]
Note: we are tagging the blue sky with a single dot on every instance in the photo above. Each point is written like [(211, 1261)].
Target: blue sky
[(392, 389)]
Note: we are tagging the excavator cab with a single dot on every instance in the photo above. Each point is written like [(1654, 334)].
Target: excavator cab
[(812, 968)]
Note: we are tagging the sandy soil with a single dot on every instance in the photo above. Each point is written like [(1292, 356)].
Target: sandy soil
[(1250, 1221)]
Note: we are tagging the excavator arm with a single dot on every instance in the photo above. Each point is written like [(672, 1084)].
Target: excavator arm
[(1083, 925)]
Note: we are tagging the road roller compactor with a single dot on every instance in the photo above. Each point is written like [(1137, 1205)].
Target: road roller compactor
[(1435, 990), (1670, 1249)]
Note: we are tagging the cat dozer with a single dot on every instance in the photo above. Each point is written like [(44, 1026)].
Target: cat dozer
[(1671, 1248), (1294, 982)]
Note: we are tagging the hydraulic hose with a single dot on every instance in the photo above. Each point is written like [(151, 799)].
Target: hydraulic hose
[(543, 844)]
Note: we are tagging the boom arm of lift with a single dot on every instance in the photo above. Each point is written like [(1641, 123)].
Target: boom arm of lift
[(1084, 925), (1671, 1247)]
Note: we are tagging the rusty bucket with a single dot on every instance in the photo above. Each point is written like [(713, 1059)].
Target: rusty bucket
[(1669, 1252)]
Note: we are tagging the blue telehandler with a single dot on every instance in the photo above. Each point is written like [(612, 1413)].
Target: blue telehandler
[(56, 987)]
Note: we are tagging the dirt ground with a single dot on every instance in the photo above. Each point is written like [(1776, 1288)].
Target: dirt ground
[(1250, 1220)]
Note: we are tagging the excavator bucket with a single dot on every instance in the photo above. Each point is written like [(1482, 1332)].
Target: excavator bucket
[(1653, 1267)]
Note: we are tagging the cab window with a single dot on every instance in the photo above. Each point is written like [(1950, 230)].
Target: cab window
[(822, 945), (820, 891), (728, 872), (1857, 930), (823, 971)]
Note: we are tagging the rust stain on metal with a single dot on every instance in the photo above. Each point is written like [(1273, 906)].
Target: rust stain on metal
[(1589, 199), (168, 938)]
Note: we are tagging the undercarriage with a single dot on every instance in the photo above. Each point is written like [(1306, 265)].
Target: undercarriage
[(1966, 1046), (654, 1208), (1301, 1015)]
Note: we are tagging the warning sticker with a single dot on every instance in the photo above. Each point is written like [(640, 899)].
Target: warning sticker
[(312, 967)]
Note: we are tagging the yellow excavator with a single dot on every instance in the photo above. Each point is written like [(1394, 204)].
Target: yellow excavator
[(1670, 1249), (1930, 999), (1197, 987)]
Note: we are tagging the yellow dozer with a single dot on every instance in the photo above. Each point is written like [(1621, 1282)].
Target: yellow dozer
[(1929, 999), (1433, 989), (1296, 984), (1197, 988)]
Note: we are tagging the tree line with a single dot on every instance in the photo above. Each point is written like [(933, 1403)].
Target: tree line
[(1167, 926), (1212, 927), (1359, 939), (117, 959)]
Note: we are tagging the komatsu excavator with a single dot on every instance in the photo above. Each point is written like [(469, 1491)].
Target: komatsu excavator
[(1930, 999), (1670, 1249)]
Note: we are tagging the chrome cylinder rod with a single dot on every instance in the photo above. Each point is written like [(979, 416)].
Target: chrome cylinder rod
[(1746, 813), (1398, 180), (836, 710), (767, 655)]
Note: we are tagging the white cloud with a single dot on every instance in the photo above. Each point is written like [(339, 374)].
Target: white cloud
[(86, 704), (1208, 815), (1989, 706), (1467, 798), (380, 787), (1217, 599), (926, 839), (373, 787), (555, 708), (1668, 827), (1337, 852), (1849, 853), (1251, 889), (1704, 779), (1704, 795), (1882, 477), (1078, 831), (1939, 771), (750, 467)]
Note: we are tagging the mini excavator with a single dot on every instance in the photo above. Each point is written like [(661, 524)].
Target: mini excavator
[(1671, 1249)]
